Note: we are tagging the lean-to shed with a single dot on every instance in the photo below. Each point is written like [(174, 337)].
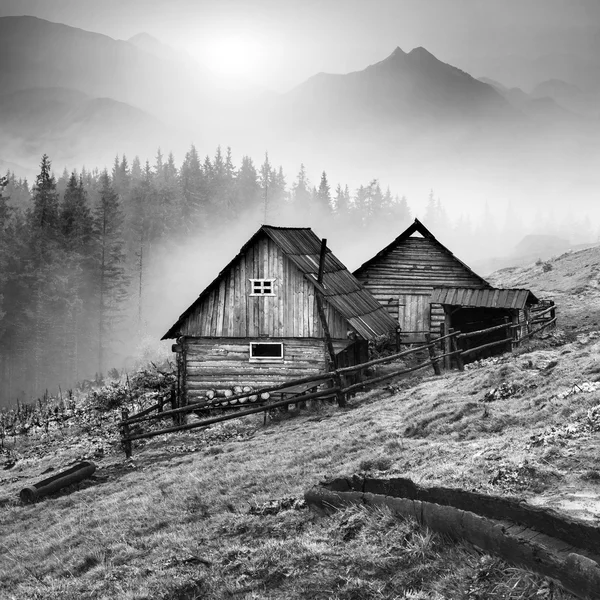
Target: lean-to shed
[(258, 322), (423, 285)]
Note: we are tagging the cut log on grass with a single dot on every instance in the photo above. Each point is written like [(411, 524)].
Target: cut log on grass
[(211, 394), (265, 396), (538, 539), (253, 398), (237, 389), (246, 389), (75, 474)]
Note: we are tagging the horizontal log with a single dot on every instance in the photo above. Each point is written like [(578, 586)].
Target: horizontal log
[(521, 546), (236, 415), (445, 337), (539, 329), (190, 408), (536, 314), (484, 346), (482, 331), (147, 411), (363, 384), (378, 361)]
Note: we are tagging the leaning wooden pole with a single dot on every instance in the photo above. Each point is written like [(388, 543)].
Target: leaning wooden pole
[(341, 399)]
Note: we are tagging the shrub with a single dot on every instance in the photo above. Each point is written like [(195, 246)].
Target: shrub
[(110, 396)]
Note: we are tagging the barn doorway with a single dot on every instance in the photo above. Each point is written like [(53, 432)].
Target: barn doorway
[(468, 319)]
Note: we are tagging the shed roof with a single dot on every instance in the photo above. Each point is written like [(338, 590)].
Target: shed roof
[(486, 298), (340, 288), (417, 227)]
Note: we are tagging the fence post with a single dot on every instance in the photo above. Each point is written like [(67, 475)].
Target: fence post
[(445, 346), (456, 347), (176, 420), (553, 314), (434, 362), (515, 331), (509, 333), (125, 432)]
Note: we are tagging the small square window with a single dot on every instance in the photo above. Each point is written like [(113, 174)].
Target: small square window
[(262, 287), (266, 352)]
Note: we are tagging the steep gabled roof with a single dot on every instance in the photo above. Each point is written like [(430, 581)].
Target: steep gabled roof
[(417, 227), (340, 288)]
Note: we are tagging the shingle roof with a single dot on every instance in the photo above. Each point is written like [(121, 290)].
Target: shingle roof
[(340, 288), (486, 298)]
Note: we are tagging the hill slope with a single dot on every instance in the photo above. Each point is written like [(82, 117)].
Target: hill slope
[(217, 514), (572, 280)]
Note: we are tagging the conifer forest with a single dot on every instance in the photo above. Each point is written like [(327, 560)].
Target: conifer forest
[(81, 254)]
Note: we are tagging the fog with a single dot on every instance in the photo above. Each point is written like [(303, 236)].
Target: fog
[(497, 132)]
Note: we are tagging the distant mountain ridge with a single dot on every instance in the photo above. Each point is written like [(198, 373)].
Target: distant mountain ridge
[(414, 85)]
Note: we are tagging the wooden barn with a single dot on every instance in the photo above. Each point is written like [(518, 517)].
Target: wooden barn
[(260, 322), (427, 289)]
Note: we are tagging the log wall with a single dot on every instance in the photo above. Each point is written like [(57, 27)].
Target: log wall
[(228, 309), (217, 363), (403, 281)]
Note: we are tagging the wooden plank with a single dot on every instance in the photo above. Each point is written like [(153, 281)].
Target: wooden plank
[(280, 288)]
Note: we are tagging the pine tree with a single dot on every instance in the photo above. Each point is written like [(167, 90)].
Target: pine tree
[(301, 196), (44, 216), (44, 272), (265, 186), (431, 211), (110, 279), (191, 182), (324, 195), (77, 231), (247, 187), (75, 215)]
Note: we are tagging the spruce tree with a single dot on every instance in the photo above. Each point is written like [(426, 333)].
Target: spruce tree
[(324, 195), (110, 279)]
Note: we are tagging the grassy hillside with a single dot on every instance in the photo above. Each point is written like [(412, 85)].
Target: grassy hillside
[(218, 513)]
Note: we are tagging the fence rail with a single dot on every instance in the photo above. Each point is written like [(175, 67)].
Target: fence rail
[(453, 345)]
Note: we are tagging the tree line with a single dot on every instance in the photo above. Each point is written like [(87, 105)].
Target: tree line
[(76, 251)]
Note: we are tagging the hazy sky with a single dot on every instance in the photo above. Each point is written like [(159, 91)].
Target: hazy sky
[(279, 43)]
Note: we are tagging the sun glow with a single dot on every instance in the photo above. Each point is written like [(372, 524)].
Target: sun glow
[(234, 56)]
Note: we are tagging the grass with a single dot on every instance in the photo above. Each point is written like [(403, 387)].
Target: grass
[(179, 521)]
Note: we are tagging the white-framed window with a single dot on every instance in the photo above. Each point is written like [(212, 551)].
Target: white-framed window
[(262, 287), (266, 352)]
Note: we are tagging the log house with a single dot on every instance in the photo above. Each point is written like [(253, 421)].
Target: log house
[(258, 324), (426, 289)]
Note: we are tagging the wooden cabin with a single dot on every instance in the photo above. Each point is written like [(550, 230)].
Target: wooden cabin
[(423, 285), (258, 323)]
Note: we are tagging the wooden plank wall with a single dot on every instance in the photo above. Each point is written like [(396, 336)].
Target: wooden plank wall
[(228, 310), (415, 267), (219, 363)]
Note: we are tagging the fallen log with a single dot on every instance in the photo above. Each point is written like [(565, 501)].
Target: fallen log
[(537, 539), (75, 474)]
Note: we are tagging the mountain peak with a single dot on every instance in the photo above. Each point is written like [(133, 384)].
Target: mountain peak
[(397, 52), (421, 53), (143, 38)]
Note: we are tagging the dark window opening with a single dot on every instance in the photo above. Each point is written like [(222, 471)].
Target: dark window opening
[(266, 351)]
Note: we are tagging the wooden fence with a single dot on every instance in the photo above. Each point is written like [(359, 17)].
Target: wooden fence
[(446, 350)]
